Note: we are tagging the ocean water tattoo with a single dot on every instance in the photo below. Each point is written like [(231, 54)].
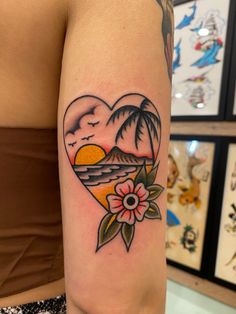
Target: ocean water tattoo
[(167, 31), (113, 150)]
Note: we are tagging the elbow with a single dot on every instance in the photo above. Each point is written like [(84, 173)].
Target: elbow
[(149, 300)]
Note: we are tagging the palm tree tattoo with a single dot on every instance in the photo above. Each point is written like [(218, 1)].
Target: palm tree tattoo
[(118, 163), (141, 118)]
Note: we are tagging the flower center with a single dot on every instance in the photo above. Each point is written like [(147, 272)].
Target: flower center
[(131, 201)]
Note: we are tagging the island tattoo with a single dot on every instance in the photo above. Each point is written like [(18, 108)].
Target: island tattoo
[(118, 165), (167, 31)]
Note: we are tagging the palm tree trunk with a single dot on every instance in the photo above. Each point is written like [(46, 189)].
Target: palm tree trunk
[(151, 142)]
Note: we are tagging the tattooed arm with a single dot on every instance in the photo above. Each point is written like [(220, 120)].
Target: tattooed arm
[(113, 139)]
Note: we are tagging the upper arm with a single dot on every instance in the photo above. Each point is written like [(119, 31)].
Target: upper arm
[(113, 133)]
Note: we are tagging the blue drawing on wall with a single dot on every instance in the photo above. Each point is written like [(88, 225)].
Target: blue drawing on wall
[(208, 40), (210, 55), (172, 220), (187, 19), (176, 61)]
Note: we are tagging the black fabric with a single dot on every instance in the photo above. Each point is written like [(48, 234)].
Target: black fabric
[(51, 306)]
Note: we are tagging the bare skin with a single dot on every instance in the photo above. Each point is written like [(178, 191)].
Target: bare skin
[(32, 38), (109, 51)]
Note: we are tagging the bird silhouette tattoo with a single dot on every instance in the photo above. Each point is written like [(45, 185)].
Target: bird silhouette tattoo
[(72, 144), (87, 138), (93, 124)]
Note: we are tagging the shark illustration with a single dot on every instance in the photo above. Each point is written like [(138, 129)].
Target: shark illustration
[(210, 56), (176, 62), (187, 19)]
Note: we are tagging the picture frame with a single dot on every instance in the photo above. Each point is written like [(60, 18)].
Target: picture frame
[(183, 215), (222, 263), (198, 94), (231, 97)]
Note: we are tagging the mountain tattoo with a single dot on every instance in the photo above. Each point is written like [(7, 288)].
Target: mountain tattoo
[(118, 165)]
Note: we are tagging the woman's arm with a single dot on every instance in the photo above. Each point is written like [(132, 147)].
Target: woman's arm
[(113, 138)]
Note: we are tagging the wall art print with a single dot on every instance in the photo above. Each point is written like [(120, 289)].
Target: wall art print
[(226, 251), (190, 166), (113, 151), (200, 41), (231, 100)]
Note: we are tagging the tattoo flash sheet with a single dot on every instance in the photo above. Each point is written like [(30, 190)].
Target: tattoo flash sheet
[(113, 151), (190, 166), (226, 252), (200, 38)]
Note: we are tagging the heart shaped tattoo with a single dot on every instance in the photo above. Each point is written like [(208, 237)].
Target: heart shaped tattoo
[(113, 150)]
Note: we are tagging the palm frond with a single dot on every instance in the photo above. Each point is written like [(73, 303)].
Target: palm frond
[(155, 119), (127, 123), (144, 104), (151, 126), (138, 130), (122, 111)]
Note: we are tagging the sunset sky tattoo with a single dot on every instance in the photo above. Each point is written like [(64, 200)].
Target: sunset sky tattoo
[(167, 31), (119, 169)]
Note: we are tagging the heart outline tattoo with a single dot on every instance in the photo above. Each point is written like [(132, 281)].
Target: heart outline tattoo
[(113, 150)]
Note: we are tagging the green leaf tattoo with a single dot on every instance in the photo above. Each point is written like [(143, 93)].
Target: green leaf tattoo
[(108, 229), (127, 233), (152, 175), (154, 191), (153, 212), (141, 176)]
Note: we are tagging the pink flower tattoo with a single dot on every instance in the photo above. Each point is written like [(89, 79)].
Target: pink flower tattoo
[(130, 202)]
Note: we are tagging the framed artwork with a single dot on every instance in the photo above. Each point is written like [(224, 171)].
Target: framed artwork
[(191, 163), (231, 99), (202, 48), (225, 261)]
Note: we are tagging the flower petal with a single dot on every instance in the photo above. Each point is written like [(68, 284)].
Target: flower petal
[(141, 210), (141, 191), (115, 203), (126, 216), (125, 188)]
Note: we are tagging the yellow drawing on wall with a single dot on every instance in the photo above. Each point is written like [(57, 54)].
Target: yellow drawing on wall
[(189, 180)]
